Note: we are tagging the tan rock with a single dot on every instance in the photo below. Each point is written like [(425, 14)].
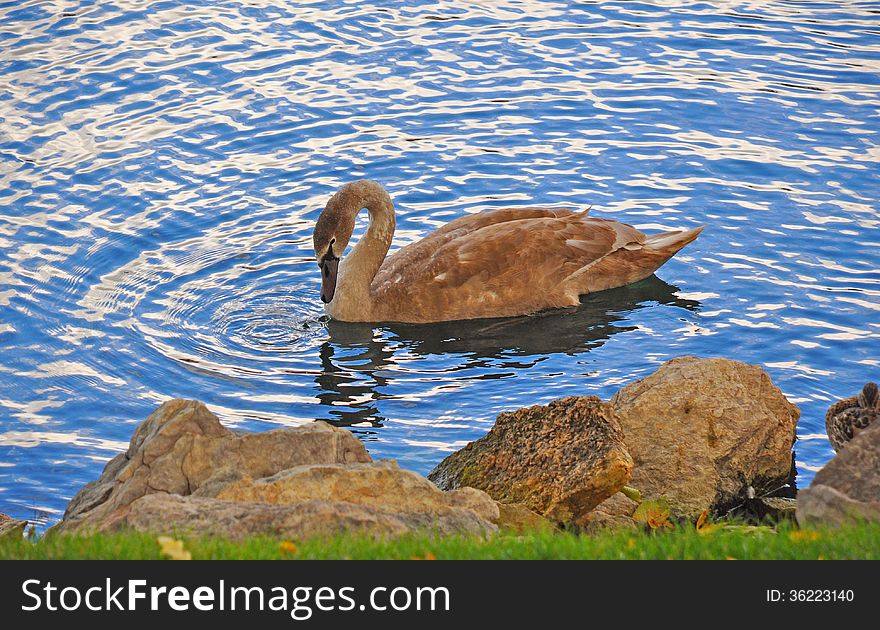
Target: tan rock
[(175, 514), (476, 500), (560, 460), (11, 527), (182, 444), (516, 518), (185, 472), (701, 431), (382, 485), (847, 489), (823, 505), (615, 512)]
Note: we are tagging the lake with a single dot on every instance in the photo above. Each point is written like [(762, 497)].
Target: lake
[(162, 165)]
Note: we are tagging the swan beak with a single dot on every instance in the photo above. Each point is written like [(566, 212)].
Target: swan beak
[(329, 269)]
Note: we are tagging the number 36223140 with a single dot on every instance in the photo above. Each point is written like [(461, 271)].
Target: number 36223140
[(810, 595)]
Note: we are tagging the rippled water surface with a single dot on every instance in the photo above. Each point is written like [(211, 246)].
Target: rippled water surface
[(162, 165)]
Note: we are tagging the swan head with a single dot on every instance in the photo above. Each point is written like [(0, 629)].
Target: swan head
[(330, 238), (336, 223), (869, 398)]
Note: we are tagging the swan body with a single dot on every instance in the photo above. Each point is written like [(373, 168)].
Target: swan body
[(497, 263), (847, 417)]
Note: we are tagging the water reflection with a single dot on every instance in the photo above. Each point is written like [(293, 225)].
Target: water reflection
[(159, 187), (360, 361)]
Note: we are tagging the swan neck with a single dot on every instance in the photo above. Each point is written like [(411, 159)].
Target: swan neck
[(359, 268)]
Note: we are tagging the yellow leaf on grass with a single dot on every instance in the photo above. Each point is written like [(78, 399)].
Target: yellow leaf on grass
[(801, 536), (173, 549), (653, 513), (428, 556), (288, 547), (704, 527), (701, 520)]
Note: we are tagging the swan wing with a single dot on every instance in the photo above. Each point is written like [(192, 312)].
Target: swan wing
[(519, 264), (529, 253), (458, 229)]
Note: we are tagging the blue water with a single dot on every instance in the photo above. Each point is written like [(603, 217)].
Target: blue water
[(162, 165)]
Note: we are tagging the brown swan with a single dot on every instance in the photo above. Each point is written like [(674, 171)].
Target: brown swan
[(497, 263)]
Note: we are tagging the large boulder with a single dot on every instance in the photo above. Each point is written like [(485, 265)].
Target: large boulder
[(184, 471), (847, 489), (702, 431), (560, 460), (182, 444)]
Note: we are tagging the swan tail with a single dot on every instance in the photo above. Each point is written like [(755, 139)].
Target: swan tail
[(669, 243), (629, 264)]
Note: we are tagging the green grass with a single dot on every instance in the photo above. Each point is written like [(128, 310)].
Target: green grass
[(683, 542)]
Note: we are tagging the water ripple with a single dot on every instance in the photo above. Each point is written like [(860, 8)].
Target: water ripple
[(162, 164)]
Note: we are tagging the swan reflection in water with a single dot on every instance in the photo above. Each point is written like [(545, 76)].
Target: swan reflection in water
[(360, 361)]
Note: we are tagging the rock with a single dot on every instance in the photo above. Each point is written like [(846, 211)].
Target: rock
[(11, 527), (614, 512), (560, 460), (516, 518), (185, 472), (169, 513), (476, 500), (760, 509), (701, 431), (824, 505), (378, 484), (847, 489), (182, 444)]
